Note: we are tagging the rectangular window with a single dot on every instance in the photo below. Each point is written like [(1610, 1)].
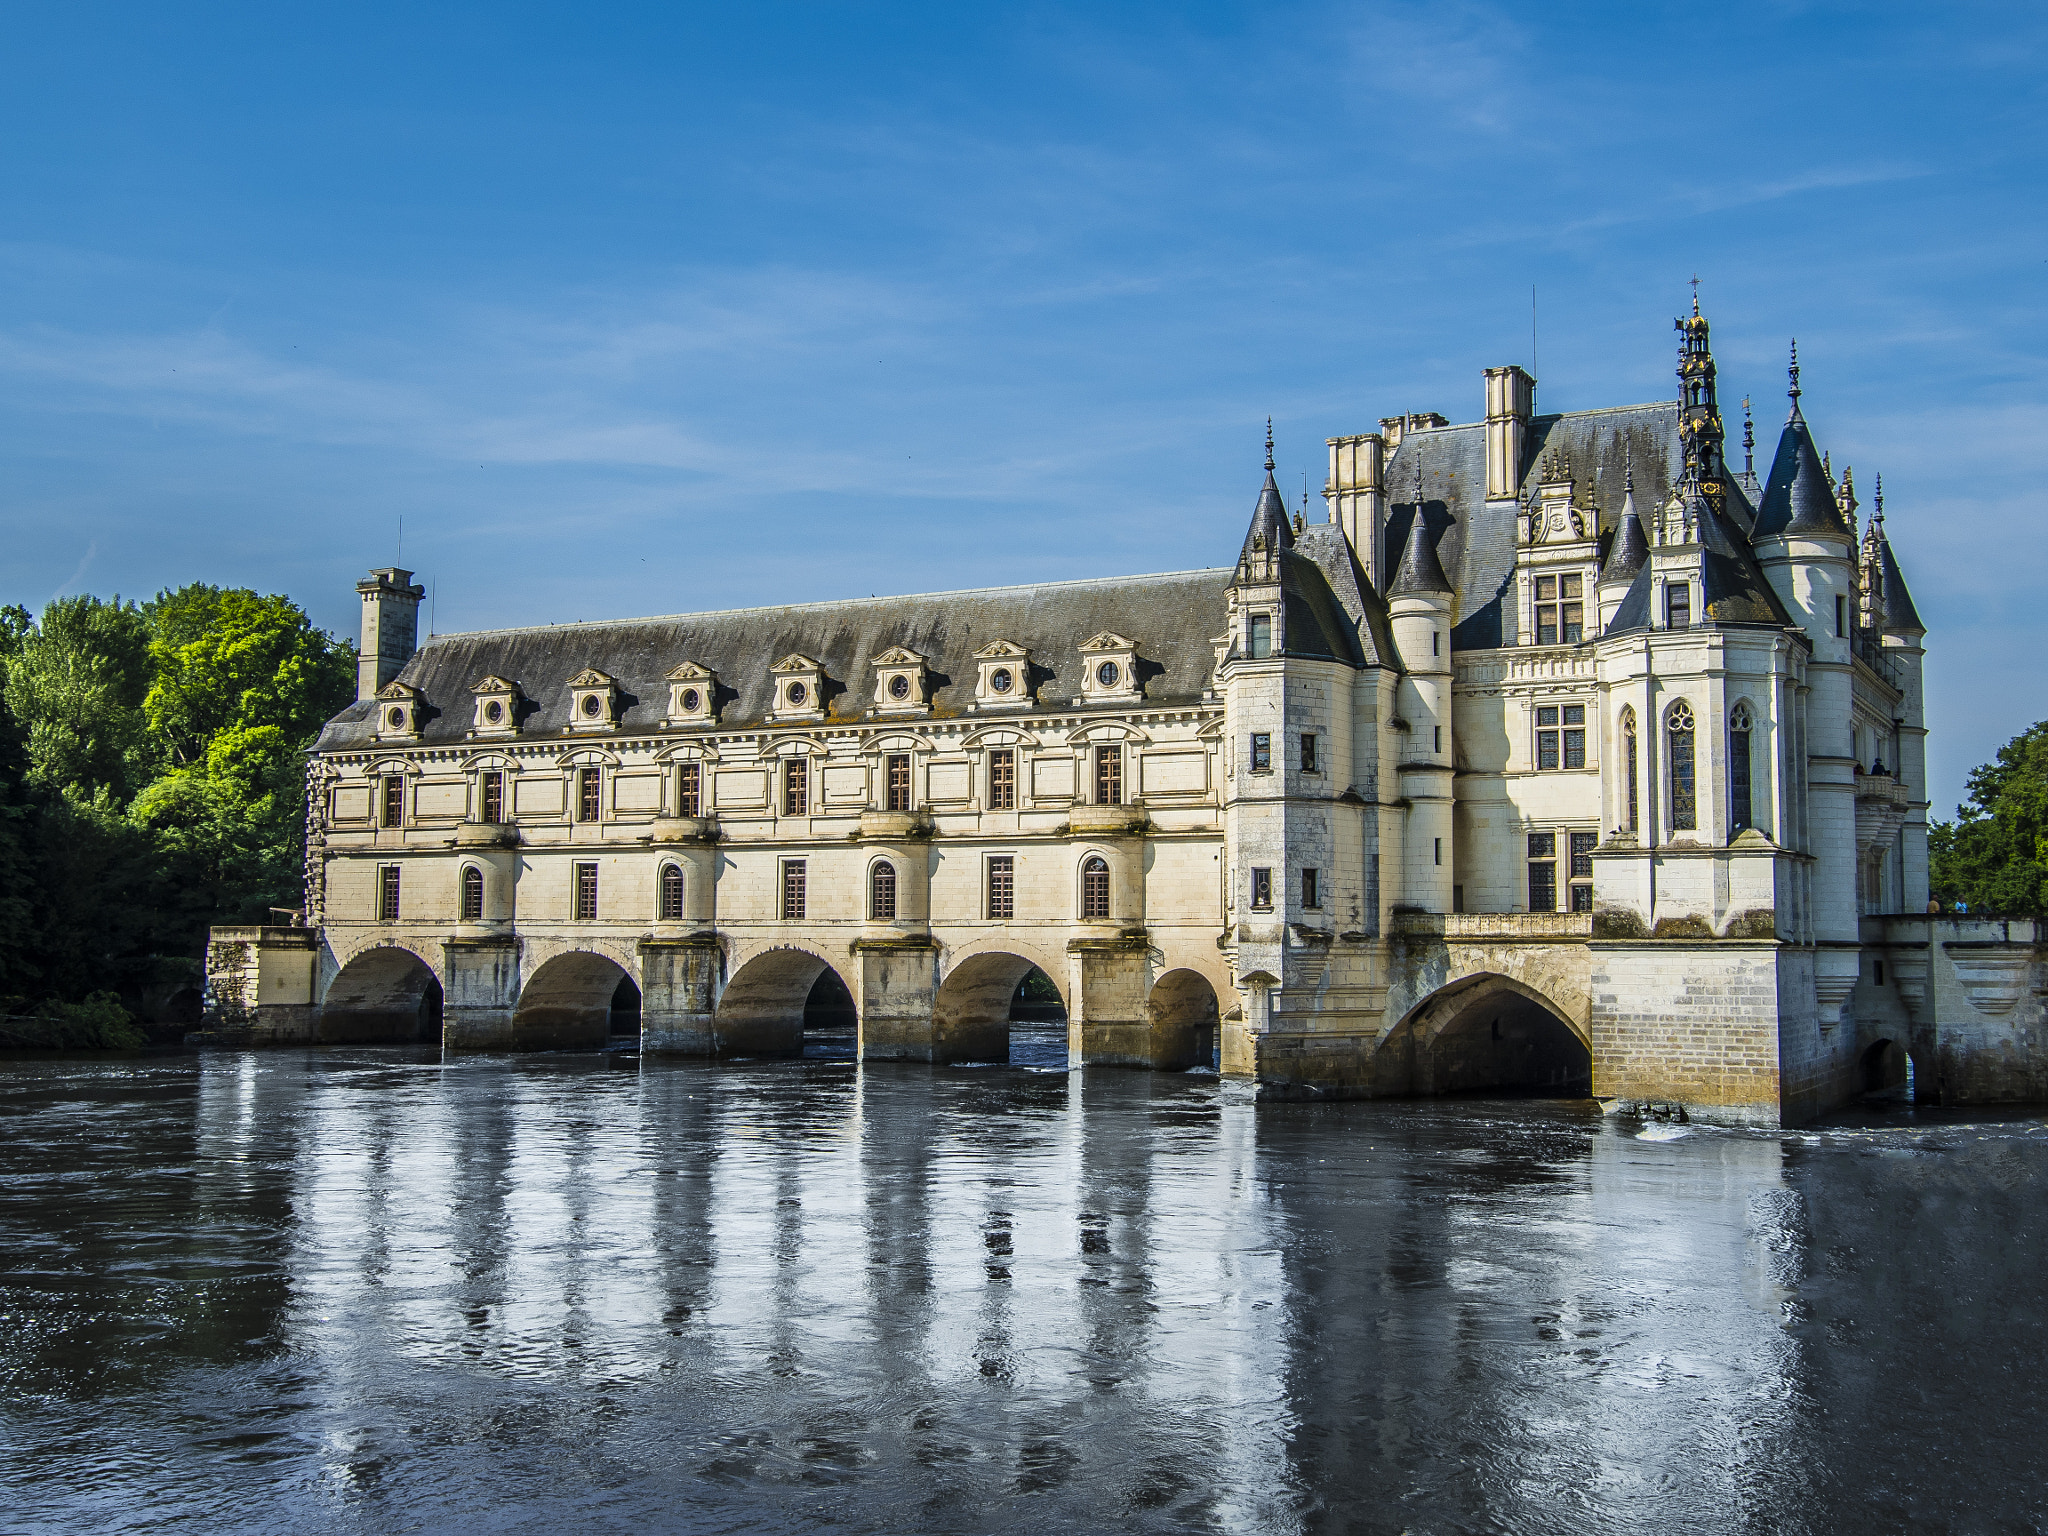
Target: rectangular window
[(1109, 775), (1546, 737), (792, 890), (1575, 735), (1678, 605), (1002, 887), (1436, 739), (1262, 752), (796, 787), (1542, 871), (472, 894), (899, 781), (1260, 644), (586, 893), (882, 892), (1002, 781), (1571, 612), (1308, 753), (394, 802), (1582, 898), (1582, 870), (690, 791), (1739, 811), (387, 893), (491, 810), (1311, 888), (1841, 610), (1439, 853), (1262, 890), (590, 794), (1546, 610)]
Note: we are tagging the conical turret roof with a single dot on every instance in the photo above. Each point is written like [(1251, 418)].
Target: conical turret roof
[(1271, 529), (1897, 616), (1630, 548), (1420, 570), (1798, 497)]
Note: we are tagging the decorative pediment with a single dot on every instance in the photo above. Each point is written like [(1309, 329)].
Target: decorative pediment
[(688, 672), (1109, 670), (692, 694), (799, 688), (997, 650), (1108, 640), (590, 677), (401, 711), (497, 707), (593, 701)]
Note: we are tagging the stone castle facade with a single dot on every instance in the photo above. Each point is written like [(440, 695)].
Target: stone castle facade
[(1564, 754)]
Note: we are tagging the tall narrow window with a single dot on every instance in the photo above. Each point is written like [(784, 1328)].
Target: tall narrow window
[(387, 893), (671, 893), (586, 893), (1002, 781), (690, 790), (882, 892), (491, 797), (1628, 758), (1002, 888), (1311, 888), (1841, 615), (1575, 735), (1095, 888), (1560, 611), (899, 781), (394, 801), (792, 889), (1546, 736), (1684, 796), (1678, 605), (1260, 645), (1109, 775), (590, 794), (1436, 739), (1262, 890), (1582, 870), (1262, 752), (1739, 815), (796, 787), (1308, 753), (1542, 871), (472, 894)]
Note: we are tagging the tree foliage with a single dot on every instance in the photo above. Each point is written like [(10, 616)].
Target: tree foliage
[(1994, 855)]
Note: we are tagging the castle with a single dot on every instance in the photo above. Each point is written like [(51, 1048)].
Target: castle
[(1564, 755)]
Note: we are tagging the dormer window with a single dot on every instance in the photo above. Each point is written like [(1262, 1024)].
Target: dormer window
[(496, 707), (799, 689), (1678, 605), (1111, 675), (401, 709), (900, 683), (1005, 676), (1259, 637), (593, 705), (692, 695)]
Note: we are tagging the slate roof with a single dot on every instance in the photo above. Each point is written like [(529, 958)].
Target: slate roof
[(1734, 588), (1797, 496), (1420, 570), (1900, 616), (1173, 618)]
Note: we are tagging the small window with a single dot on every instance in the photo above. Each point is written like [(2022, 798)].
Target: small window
[(1436, 739), (1001, 680), (1880, 973), (1678, 605), (898, 767), (1262, 890), (394, 801), (1260, 645), (1631, 789), (1109, 775), (1262, 752), (590, 794), (1439, 853), (1002, 781), (491, 808), (1575, 735), (586, 893), (593, 706), (472, 894), (1841, 615), (1582, 870), (792, 889), (882, 892), (796, 786), (690, 790), (1095, 888), (1002, 888), (671, 893), (1108, 673), (387, 893), (1436, 642), (1542, 871), (796, 694), (1311, 888), (1308, 753), (899, 687)]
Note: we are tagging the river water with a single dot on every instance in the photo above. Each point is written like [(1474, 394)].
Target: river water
[(373, 1290)]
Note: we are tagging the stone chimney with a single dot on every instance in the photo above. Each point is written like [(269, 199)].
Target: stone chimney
[(1357, 497), (1510, 402), (391, 628)]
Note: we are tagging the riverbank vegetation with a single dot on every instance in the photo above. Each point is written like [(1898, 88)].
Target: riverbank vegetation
[(1994, 856), (151, 784)]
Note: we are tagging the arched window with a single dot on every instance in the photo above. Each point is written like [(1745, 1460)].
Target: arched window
[(1739, 737), (882, 892), (1678, 730), (1095, 888), (671, 893), (472, 894), (1629, 769)]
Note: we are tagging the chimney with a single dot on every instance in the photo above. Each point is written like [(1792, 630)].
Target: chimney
[(1357, 495), (1510, 402), (391, 628)]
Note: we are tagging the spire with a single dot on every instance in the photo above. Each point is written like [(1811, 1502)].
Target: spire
[(1420, 570), (1799, 497), (1794, 390), (1630, 550), (1700, 433), (1271, 530), (1269, 445)]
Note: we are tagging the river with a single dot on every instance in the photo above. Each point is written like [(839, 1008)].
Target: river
[(375, 1290)]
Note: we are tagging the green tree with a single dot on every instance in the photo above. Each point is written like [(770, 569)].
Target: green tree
[(75, 685), (1994, 855)]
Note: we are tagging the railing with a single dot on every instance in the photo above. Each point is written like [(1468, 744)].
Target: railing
[(1869, 648)]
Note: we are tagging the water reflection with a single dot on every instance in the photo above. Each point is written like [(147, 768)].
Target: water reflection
[(377, 1290)]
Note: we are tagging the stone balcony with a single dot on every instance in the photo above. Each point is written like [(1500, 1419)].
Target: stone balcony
[(684, 829), (1494, 927), (894, 826), (1881, 805), (1108, 820)]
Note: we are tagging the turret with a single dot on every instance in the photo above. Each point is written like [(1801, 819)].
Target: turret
[(1627, 555), (1420, 601), (391, 627)]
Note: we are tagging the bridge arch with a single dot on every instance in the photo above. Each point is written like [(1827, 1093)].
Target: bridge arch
[(1487, 1031), (1185, 1013), (971, 1013), (566, 1004), (386, 992), (761, 1011)]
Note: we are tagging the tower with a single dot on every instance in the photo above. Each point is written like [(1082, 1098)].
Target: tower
[(1419, 599), (391, 628)]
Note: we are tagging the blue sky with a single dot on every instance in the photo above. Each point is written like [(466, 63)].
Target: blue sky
[(641, 308)]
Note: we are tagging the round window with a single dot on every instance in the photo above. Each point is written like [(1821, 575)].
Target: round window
[(690, 701), (397, 719), (899, 687), (494, 711), (593, 706), (1107, 674), (797, 693), (999, 680)]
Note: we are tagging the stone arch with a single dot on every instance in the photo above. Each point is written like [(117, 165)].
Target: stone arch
[(1487, 1031), (971, 1013), (1185, 1013), (761, 1008), (566, 1002), (1885, 1068), (385, 992)]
